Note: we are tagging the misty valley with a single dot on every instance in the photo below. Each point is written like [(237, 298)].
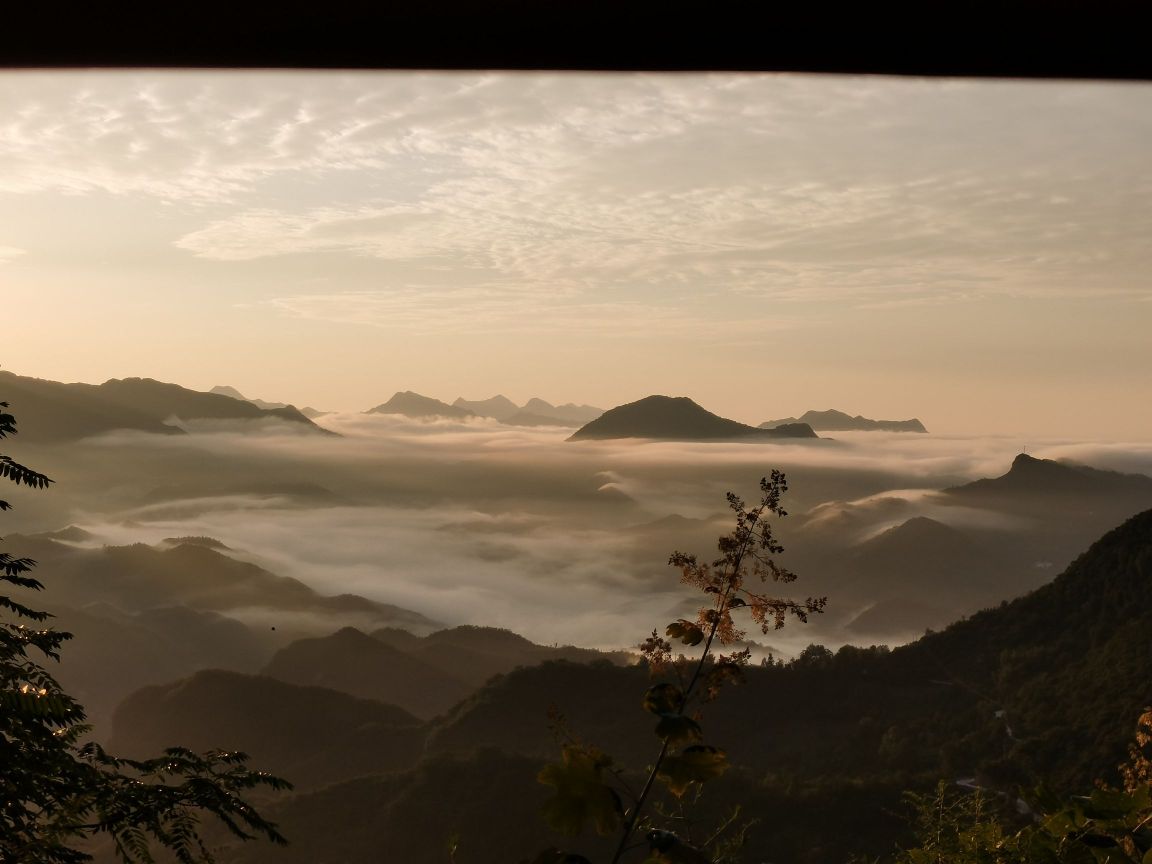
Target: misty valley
[(429, 618)]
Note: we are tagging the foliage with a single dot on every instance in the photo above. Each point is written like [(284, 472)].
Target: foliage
[(587, 790), (56, 791), (1107, 826)]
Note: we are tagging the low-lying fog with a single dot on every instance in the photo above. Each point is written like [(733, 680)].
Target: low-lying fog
[(562, 542)]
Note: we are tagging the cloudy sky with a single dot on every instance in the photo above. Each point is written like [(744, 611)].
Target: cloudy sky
[(976, 254)]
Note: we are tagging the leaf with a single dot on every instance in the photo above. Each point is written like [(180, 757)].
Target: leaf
[(52, 707), (696, 764), (663, 699), (686, 632), (677, 729), (1109, 804), (581, 796)]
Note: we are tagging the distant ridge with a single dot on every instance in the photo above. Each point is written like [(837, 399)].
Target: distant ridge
[(233, 393), (411, 404), (1044, 689), (498, 407), (1068, 661), (534, 412), (54, 411), (837, 421), (575, 415), (353, 662), (678, 418), (1031, 476), (312, 734)]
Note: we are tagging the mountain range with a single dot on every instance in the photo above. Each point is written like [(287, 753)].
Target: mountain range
[(54, 411), (678, 418), (146, 614), (1029, 477), (50, 411), (837, 421), (894, 569), (534, 412), (1045, 688)]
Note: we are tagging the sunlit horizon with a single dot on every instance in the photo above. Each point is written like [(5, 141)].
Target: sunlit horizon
[(970, 253)]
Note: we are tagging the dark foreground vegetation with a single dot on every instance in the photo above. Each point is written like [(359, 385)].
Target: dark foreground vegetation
[(1040, 692), (57, 792)]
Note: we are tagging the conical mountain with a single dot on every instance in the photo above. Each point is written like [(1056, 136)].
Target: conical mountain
[(570, 413), (355, 663), (677, 418)]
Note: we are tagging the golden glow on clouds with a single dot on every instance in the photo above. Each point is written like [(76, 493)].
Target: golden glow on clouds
[(886, 246)]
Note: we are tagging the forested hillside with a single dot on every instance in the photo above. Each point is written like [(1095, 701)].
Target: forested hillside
[(1042, 689)]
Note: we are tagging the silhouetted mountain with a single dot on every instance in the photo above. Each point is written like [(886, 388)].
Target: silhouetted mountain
[(414, 405), (927, 545), (171, 400), (677, 419), (207, 542), (498, 407), (1031, 476), (921, 572), (1068, 666), (139, 577), (927, 573), (310, 735), (1045, 688), (1067, 504), (571, 414), (837, 421), (230, 392), (233, 393), (52, 411), (118, 651), (70, 534), (475, 654), (355, 663), (535, 412)]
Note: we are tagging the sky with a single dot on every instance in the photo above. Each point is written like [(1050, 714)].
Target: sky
[(973, 253)]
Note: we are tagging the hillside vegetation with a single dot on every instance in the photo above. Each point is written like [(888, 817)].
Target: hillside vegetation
[(1043, 688)]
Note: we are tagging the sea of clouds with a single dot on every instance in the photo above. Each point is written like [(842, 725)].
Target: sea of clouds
[(477, 523)]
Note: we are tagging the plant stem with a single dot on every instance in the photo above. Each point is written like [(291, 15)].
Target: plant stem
[(721, 604)]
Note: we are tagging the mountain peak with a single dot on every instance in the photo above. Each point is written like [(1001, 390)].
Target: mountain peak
[(414, 405), (498, 407), (230, 392), (1029, 475), (1024, 462), (676, 418)]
